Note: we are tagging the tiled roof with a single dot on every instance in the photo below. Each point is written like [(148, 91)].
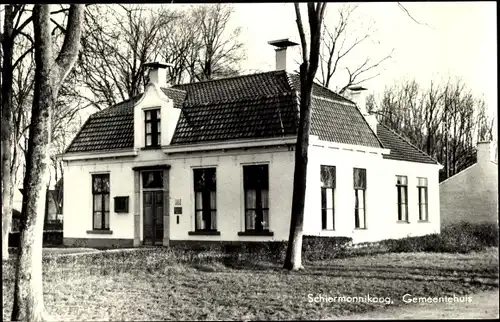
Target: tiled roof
[(249, 106), (342, 123), (233, 88), (261, 117), (401, 148), (112, 128)]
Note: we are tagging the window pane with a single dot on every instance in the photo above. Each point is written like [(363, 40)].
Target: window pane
[(402, 180), (97, 220), (422, 182), (424, 195), (361, 197), (328, 176), (158, 139), (329, 219), (152, 179), (148, 115), (403, 213), (199, 223), (199, 200), (329, 198), (250, 219), (264, 198), (323, 198), (158, 114), (403, 195), (213, 220), (97, 202), (251, 198), (323, 219), (148, 128), (213, 200), (265, 219), (255, 176), (359, 178), (362, 218), (106, 202), (204, 179), (148, 140), (106, 220), (96, 183)]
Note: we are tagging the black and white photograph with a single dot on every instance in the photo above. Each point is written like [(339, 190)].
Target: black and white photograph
[(187, 161)]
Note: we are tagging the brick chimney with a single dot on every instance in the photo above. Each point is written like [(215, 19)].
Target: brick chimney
[(484, 152), (281, 57), (157, 73), (357, 94)]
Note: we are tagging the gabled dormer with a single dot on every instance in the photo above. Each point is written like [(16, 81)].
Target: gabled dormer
[(155, 116)]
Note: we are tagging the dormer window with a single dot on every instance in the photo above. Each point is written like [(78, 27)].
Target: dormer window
[(152, 127)]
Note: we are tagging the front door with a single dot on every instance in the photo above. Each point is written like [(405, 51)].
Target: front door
[(153, 217)]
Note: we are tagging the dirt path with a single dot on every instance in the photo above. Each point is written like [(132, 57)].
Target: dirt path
[(484, 306)]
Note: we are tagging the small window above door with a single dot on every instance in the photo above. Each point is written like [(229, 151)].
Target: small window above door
[(152, 179)]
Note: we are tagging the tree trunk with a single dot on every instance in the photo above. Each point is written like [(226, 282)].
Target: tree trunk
[(293, 260), (49, 74), (308, 68), (28, 293), (6, 131)]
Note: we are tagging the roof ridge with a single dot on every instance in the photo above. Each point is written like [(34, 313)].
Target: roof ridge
[(408, 141), (172, 88), (324, 87), (230, 77)]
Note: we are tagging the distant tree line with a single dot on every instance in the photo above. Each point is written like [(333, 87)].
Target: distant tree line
[(445, 120)]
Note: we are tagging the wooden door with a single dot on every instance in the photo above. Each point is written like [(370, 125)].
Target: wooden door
[(153, 217)]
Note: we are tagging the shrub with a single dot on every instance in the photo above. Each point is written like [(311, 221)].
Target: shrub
[(461, 237)]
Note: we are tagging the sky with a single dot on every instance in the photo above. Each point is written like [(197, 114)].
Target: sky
[(457, 39)]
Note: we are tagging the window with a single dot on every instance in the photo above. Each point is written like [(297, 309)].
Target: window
[(100, 201), (402, 191), (121, 204), (152, 127), (256, 186), (327, 197), (423, 214), (205, 199), (152, 179), (359, 198)]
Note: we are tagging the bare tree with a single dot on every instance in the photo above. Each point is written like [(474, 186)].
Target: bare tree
[(444, 120), (118, 40), (220, 51), (14, 23), (308, 68), (49, 75), (339, 42)]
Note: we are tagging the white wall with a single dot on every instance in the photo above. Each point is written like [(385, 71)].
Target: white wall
[(381, 197), (78, 198), (230, 199), (230, 202)]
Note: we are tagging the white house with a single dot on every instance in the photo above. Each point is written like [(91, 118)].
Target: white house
[(214, 161), (472, 194)]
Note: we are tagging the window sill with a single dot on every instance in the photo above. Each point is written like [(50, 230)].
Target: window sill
[(361, 228), (327, 229), (100, 232), (423, 221), (156, 147), (255, 233), (403, 222), (204, 233)]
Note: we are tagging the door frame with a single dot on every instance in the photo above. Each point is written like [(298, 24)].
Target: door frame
[(138, 204)]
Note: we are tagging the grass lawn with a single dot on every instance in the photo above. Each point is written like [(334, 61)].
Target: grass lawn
[(162, 284)]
